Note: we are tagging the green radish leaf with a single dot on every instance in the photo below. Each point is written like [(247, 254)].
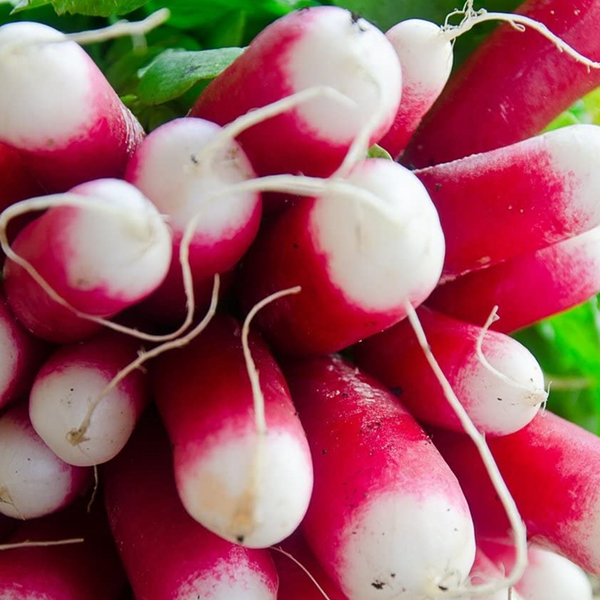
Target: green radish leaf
[(377, 151), (96, 8), (29, 4), (173, 72)]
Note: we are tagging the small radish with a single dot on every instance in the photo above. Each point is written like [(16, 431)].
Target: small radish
[(552, 468), (62, 114), (530, 195), (167, 555), (314, 137), (505, 81), (33, 481), (247, 486), (66, 385), (170, 169), (379, 482), (353, 250), (17, 182), (110, 249), (527, 288), (497, 380)]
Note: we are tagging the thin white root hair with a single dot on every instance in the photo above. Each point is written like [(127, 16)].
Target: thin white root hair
[(533, 395), (244, 520), (299, 564), (28, 544), (512, 512), (77, 436), (74, 200), (94, 490), (6, 498), (472, 17)]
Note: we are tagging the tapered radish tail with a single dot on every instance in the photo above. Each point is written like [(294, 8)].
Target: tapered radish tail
[(568, 273), (499, 382), (315, 137), (531, 195)]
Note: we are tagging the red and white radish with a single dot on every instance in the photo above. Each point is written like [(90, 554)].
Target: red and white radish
[(530, 195), (17, 182), (498, 381), (527, 288), (170, 169), (82, 133), (167, 555), (315, 136), (552, 468), (353, 250), (66, 385), (378, 483), (33, 481), (248, 488), (110, 249)]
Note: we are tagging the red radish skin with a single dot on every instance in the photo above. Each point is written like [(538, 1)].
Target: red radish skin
[(89, 569), (514, 200), (426, 59), (20, 357), (74, 376), (314, 137), (332, 246), (205, 398), (146, 518), (168, 169), (294, 582), (17, 182), (80, 134), (506, 80), (527, 288), (34, 482), (501, 393), (552, 468), (378, 482), (101, 261)]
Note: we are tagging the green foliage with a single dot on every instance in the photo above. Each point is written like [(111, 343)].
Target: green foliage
[(377, 151), (97, 8)]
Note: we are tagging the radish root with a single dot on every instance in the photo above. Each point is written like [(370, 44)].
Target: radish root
[(440, 590), (28, 544)]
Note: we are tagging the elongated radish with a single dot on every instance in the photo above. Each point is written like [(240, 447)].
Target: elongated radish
[(378, 483), (205, 398), (87, 569), (17, 182), (33, 481), (531, 195), (168, 170), (503, 82), (526, 288), (426, 58), (111, 249), (498, 380), (72, 377), (167, 555), (20, 356), (314, 137), (353, 256), (82, 133), (301, 577), (552, 468)]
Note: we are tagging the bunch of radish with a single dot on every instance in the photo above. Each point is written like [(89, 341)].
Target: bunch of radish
[(418, 465)]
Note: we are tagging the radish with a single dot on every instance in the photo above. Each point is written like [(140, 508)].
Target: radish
[(244, 482), (426, 57), (169, 169), (67, 383), (167, 555), (111, 249), (82, 133), (532, 194), (498, 380), (17, 182), (68, 556), (352, 254), (505, 79), (20, 356), (378, 483), (314, 137), (33, 481), (551, 457), (568, 273)]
